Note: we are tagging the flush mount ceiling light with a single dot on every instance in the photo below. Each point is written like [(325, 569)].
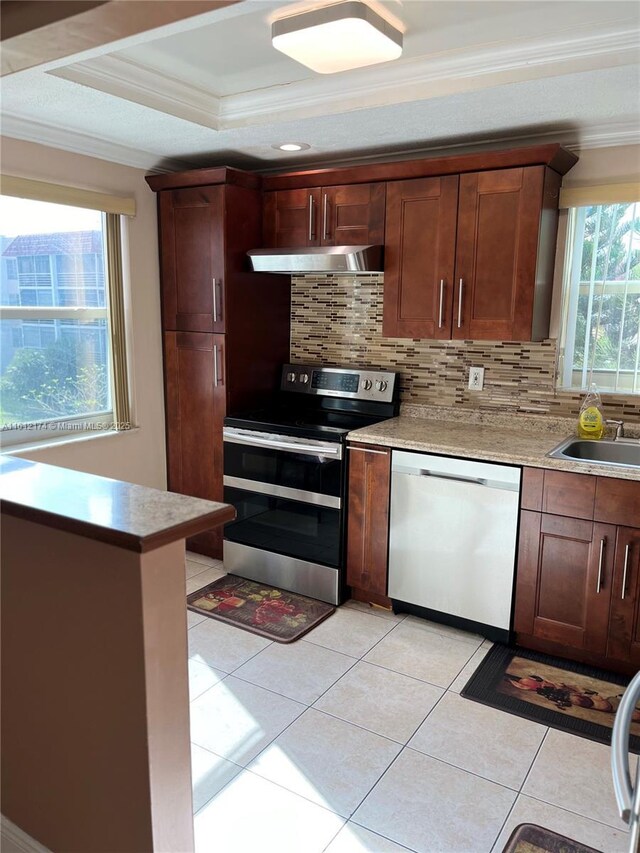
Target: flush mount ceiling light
[(337, 38), (292, 146)]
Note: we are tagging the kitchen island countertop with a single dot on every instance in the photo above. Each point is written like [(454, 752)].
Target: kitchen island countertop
[(134, 517)]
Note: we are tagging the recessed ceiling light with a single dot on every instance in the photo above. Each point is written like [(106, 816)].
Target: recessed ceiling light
[(292, 146), (337, 38)]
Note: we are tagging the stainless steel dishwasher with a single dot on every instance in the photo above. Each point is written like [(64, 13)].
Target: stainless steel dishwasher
[(452, 540)]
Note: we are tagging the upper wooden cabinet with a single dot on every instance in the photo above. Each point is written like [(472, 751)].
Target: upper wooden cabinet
[(420, 244), (325, 216), (484, 272), (192, 225)]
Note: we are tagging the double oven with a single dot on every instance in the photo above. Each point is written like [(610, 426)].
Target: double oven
[(285, 473)]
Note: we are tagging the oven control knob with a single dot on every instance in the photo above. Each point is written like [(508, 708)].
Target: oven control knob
[(381, 385), (304, 377), (291, 377), (367, 384)]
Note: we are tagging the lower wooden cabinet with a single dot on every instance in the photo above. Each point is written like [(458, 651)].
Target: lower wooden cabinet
[(368, 522), (565, 572), (578, 579), (195, 400), (624, 633)]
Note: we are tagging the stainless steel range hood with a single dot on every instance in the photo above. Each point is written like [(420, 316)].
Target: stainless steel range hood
[(318, 259)]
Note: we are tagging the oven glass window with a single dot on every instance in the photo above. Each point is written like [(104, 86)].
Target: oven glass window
[(297, 529), (319, 474)]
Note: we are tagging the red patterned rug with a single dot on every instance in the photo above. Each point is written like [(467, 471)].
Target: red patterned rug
[(273, 613)]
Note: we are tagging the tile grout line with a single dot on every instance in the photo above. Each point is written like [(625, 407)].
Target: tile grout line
[(519, 790)]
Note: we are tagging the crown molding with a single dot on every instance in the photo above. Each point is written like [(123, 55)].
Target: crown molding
[(405, 80), (596, 136), (124, 78), (445, 74), (17, 839), (72, 140)]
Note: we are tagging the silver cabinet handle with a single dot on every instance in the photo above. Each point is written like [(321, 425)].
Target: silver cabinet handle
[(310, 218), (624, 571), (325, 208), (603, 542), (216, 371), (368, 450), (460, 286), (216, 286), (440, 319)]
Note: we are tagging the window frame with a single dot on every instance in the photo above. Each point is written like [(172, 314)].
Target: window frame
[(117, 417), (580, 201)]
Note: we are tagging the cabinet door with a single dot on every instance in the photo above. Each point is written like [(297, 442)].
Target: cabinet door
[(419, 257), (292, 218), (564, 580), (496, 256), (352, 215), (192, 259), (368, 519), (195, 408), (624, 628)]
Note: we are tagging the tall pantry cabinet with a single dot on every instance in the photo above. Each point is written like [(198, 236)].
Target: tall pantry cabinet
[(225, 328)]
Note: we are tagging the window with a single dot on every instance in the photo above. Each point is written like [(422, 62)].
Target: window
[(601, 328), (61, 338)]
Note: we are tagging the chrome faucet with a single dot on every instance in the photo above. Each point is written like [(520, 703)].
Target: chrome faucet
[(619, 425)]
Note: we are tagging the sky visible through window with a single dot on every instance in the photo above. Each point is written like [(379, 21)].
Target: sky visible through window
[(24, 216)]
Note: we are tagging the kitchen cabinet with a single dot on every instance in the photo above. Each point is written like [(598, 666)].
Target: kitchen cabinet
[(226, 328), (471, 256), (192, 225), (420, 240), (352, 214), (195, 405), (368, 522), (565, 569), (624, 635), (578, 576)]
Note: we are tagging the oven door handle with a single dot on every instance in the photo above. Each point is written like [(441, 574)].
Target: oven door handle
[(309, 449), (282, 492)]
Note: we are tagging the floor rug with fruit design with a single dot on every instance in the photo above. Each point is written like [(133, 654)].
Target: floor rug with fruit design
[(552, 691), (273, 613), (530, 838)]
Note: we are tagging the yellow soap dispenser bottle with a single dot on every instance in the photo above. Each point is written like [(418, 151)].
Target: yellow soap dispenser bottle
[(591, 419)]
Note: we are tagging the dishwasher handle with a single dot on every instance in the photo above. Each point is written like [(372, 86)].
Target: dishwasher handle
[(458, 478)]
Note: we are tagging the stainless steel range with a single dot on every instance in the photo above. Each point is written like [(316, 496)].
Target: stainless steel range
[(285, 473)]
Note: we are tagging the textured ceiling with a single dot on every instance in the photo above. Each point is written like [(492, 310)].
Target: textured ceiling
[(224, 73)]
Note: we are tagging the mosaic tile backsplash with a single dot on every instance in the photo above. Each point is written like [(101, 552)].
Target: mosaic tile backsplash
[(338, 320)]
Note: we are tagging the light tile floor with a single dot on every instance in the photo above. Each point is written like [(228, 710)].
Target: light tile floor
[(355, 740)]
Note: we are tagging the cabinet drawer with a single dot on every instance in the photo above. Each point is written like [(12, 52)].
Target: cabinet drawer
[(617, 501), (559, 493)]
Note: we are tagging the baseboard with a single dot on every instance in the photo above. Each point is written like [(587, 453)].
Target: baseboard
[(15, 840)]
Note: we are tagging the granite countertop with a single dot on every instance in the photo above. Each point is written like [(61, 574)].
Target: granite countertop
[(133, 517), (482, 438)]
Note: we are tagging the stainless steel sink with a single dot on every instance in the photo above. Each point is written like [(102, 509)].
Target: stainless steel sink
[(622, 451)]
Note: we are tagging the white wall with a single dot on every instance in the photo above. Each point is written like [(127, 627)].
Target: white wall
[(605, 166), (137, 456)]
